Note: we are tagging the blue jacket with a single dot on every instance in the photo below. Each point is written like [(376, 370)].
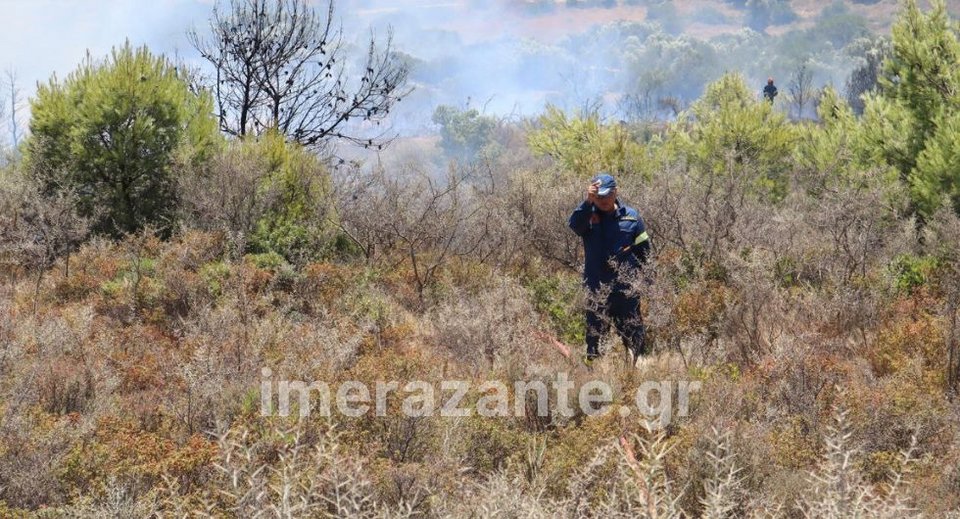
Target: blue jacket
[(770, 92), (619, 235)]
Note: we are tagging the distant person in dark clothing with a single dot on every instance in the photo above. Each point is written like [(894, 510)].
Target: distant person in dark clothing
[(770, 91)]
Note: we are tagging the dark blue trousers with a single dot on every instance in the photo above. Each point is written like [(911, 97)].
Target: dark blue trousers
[(623, 312)]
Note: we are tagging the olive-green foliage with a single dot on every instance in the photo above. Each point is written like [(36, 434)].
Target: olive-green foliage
[(838, 26), (466, 135), (582, 144), (827, 156), (267, 260), (938, 166), (913, 124), (114, 130), (556, 297), (828, 147), (298, 222), (730, 128), (214, 274), (911, 272), (659, 65)]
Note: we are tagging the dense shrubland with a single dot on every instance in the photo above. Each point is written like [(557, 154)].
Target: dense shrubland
[(806, 275)]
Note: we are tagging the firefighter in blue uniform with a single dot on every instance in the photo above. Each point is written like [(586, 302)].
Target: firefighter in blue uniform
[(614, 239), (770, 91)]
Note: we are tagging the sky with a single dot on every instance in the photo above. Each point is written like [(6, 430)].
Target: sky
[(48, 37), (43, 37)]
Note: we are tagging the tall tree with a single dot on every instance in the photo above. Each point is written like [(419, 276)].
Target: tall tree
[(281, 64), (113, 132), (870, 53), (801, 87), (466, 135), (16, 105), (912, 125), (921, 74), (728, 130)]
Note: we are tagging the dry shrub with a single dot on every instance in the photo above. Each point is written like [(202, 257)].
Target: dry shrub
[(231, 195), (38, 230), (64, 381), (774, 304), (32, 451), (708, 218), (535, 207), (431, 221), (636, 486), (65, 386), (483, 446), (295, 472), (307, 349), (838, 489), (135, 292), (94, 263), (621, 478), (182, 291), (483, 330), (191, 249), (885, 413), (699, 309), (943, 242), (801, 380), (117, 499), (325, 282), (373, 308), (500, 495), (221, 356), (899, 342), (180, 270), (396, 436), (120, 453), (815, 256), (709, 233), (9, 349), (572, 450)]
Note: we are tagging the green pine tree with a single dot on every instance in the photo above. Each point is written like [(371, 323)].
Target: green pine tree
[(912, 124), (730, 128), (115, 131)]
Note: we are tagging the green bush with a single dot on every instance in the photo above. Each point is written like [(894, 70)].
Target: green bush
[(466, 135), (298, 223), (556, 297), (911, 272), (582, 144), (214, 274), (730, 128), (267, 261), (114, 132), (837, 25)]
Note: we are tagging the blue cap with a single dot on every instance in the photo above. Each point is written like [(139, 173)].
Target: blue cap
[(607, 184)]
